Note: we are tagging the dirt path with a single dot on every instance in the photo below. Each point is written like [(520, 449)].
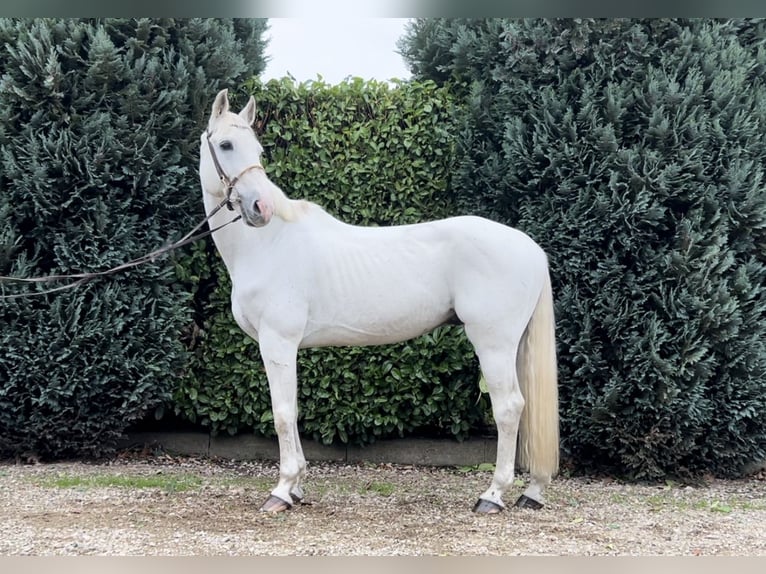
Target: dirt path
[(186, 506)]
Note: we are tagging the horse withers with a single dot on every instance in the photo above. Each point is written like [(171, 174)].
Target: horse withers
[(302, 278)]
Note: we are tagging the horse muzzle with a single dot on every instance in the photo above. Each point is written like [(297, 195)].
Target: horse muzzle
[(257, 221), (255, 213)]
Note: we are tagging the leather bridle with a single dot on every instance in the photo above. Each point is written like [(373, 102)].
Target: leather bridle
[(225, 180)]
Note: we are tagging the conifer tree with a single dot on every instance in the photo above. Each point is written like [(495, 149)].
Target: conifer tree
[(99, 127), (634, 151)]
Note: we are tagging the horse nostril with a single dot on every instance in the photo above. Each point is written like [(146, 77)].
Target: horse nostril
[(256, 208)]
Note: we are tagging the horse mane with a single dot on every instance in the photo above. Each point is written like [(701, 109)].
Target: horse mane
[(287, 209)]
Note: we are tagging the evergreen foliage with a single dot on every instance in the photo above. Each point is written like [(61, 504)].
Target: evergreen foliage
[(634, 151), (370, 154), (99, 121)]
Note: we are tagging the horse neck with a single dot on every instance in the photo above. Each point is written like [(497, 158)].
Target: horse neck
[(237, 241), (287, 209), (231, 239)]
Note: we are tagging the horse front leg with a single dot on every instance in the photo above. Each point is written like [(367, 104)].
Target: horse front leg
[(280, 357)]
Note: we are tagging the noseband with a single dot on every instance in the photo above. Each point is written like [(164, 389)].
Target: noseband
[(228, 183)]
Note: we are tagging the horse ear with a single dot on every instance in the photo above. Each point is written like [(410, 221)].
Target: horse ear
[(221, 104), (248, 112)]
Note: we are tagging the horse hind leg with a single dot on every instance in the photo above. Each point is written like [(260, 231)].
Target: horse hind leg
[(296, 492), (498, 365), (539, 426), (533, 495)]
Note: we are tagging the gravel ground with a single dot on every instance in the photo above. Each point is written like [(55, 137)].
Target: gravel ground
[(160, 505)]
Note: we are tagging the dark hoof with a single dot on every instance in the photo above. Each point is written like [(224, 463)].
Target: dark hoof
[(525, 502), (300, 501), (486, 507), (275, 504)]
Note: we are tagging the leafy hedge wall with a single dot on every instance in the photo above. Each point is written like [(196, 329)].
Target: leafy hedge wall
[(98, 127), (634, 151), (371, 154)]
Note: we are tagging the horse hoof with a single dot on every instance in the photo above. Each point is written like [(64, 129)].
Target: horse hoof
[(525, 502), (275, 504), (299, 500), (486, 507)]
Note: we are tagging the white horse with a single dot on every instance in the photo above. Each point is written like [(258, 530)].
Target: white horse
[(301, 278)]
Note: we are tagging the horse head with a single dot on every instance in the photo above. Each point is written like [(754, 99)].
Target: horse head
[(230, 162)]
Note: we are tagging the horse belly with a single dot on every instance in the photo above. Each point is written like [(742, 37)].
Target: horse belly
[(383, 313)]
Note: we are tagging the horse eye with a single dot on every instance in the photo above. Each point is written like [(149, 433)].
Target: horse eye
[(226, 145)]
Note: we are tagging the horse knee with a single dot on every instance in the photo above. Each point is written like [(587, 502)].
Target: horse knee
[(284, 420)]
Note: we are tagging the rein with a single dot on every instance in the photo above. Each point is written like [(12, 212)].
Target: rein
[(84, 277), (80, 278)]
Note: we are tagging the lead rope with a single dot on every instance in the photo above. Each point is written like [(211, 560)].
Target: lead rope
[(84, 277), (186, 239)]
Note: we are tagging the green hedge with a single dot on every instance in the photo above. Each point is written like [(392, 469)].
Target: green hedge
[(371, 154), (99, 121), (634, 151)]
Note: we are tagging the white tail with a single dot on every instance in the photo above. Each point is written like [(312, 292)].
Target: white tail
[(538, 447)]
